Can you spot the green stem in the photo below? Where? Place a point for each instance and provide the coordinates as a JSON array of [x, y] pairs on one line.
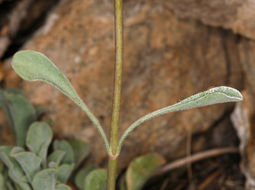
[[112, 172], [113, 157]]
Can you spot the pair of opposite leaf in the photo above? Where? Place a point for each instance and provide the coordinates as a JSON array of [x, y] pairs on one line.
[[34, 66]]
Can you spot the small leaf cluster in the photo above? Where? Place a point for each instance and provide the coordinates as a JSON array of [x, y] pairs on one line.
[[28, 166]]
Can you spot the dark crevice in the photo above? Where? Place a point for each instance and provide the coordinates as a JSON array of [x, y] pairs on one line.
[[5, 8], [223, 128], [33, 21]]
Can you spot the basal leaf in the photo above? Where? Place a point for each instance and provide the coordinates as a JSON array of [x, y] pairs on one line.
[[14, 169], [5, 156], [96, 180], [63, 145], [52, 165], [20, 113], [45, 179], [64, 172], [62, 187], [56, 156], [18, 181], [81, 175], [38, 139], [15, 150], [80, 149], [141, 168], [29, 162]]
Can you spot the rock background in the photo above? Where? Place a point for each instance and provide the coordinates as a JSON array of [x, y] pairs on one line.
[[172, 50]]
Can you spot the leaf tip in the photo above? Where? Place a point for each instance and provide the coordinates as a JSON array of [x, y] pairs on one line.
[[232, 94]]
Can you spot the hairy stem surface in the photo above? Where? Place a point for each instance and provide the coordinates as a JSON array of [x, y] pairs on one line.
[[113, 157]]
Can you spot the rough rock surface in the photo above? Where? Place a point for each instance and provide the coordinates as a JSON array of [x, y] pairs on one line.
[[166, 60], [237, 15], [18, 19]]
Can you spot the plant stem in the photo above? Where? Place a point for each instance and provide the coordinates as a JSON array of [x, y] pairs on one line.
[[112, 173], [113, 157]]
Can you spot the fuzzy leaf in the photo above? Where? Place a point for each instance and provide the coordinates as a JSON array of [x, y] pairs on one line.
[[62, 187], [29, 162], [38, 139], [215, 95], [45, 179], [81, 175], [56, 156], [141, 168], [80, 149], [14, 169], [20, 113], [22, 186], [34, 66], [63, 145], [52, 165], [96, 180], [5, 156], [64, 172]]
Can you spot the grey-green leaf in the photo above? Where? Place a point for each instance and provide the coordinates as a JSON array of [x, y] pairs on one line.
[[34, 66], [96, 180], [63, 145], [56, 156], [15, 171], [38, 139], [80, 149], [20, 113], [141, 168], [45, 179], [81, 175], [215, 95], [64, 172], [29, 162], [21, 186], [62, 187]]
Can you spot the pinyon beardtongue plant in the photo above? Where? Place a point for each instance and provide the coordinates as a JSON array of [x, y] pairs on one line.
[[34, 66]]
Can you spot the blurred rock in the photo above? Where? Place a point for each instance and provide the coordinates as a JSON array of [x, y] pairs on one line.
[[237, 15], [243, 120], [166, 60], [243, 117]]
